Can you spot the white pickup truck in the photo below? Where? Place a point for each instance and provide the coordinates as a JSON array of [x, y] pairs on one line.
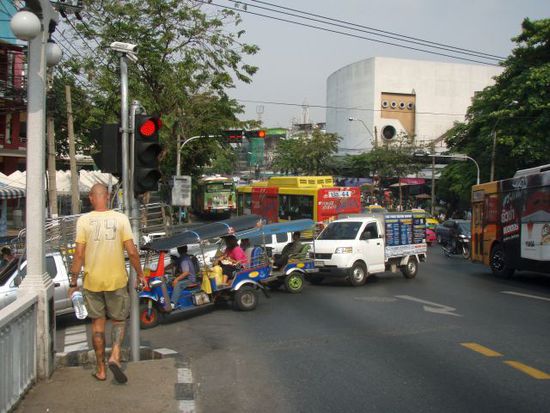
[[359, 246]]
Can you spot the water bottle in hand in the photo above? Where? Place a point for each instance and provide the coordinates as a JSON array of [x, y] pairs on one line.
[[78, 304]]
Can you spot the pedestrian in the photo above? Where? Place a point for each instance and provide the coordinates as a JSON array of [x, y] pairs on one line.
[[101, 238]]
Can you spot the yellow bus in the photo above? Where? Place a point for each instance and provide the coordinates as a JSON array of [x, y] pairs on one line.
[[285, 198]]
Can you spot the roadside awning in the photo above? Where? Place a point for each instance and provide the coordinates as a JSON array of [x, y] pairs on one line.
[[11, 192]]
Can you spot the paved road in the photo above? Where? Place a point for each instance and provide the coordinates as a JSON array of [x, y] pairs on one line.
[[454, 339]]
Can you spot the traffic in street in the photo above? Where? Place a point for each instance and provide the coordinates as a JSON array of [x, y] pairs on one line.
[[455, 338]]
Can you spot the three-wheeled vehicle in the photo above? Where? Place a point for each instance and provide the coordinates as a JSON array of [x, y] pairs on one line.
[[291, 275], [154, 298]]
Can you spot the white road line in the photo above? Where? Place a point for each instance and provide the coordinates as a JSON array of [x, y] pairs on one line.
[[186, 406], [76, 339], [185, 376], [432, 307], [526, 295]]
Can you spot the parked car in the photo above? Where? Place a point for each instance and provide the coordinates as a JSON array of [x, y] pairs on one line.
[[14, 272], [452, 228]]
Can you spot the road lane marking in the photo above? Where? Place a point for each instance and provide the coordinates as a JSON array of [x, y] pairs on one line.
[[538, 297], [481, 349], [531, 371], [432, 307]]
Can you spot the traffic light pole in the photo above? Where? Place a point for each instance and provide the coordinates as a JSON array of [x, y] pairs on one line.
[[128, 196], [134, 219]]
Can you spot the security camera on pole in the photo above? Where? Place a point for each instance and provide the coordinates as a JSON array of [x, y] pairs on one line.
[[128, 51]]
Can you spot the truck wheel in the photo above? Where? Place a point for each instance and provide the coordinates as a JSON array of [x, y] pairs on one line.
[[314, 279], [358, 274], [410, 269], [246, 298], [146, 319], [294, 282], [498, 263]]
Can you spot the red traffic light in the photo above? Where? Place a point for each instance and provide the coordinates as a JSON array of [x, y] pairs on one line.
[[261, 134], [150, 127], [258, 133]]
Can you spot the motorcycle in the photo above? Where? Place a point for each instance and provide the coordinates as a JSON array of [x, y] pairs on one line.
[[460, 246]]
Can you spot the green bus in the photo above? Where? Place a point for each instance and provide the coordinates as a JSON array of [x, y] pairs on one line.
[[214, 196]]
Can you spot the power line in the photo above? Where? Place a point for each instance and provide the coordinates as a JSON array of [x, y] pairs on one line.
[[345, 33], [266, 102], [415, 40]]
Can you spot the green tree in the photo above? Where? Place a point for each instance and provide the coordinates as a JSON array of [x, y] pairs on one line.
[[188, 54], [515, 108], [306, 155]]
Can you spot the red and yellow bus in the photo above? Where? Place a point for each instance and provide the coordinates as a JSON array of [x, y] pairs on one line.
[[511, 222], [285, 198]]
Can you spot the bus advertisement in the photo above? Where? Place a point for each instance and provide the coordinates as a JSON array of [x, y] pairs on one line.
[[291, 198], [511, 222], [214, 195]]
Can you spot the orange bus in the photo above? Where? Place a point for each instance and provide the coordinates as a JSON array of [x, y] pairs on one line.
[[511, 222], [285, 198]]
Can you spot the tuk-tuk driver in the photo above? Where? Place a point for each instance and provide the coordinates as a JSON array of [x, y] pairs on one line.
[[185, 271]]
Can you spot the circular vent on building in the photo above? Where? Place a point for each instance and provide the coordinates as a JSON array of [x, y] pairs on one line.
[[402, 105], [394, 104], [388, 132], [385, 103], [410, 106]]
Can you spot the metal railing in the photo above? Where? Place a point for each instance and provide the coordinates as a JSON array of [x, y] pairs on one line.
[[17, 349]]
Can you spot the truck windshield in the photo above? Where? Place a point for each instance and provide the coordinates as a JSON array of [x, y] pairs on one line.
[[341, 230]]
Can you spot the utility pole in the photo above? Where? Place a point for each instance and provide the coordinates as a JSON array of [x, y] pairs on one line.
[[433, 180], [75, 191], [52, 172]]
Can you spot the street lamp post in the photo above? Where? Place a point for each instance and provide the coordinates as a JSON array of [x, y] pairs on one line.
[[352, 119], [456, 157], [180, 148], [37, 280]]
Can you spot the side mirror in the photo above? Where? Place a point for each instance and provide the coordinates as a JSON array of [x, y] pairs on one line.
[[17, 280]]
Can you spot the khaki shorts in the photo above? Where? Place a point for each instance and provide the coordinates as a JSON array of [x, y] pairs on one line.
[[108, 304]]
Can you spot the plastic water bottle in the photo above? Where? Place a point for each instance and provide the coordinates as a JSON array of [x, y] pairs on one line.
[[78, 304]]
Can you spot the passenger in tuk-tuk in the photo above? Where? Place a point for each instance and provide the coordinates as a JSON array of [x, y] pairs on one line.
[[185, 273], [293, 247], [232, 259]]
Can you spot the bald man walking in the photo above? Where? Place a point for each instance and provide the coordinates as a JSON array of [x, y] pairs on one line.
[[101, 238]]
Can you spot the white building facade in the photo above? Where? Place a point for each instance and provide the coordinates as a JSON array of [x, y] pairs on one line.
[[388, 97]]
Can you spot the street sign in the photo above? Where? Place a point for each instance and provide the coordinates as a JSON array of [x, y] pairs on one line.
[[181, 191]]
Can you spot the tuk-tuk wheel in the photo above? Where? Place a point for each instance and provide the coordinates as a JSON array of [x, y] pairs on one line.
[[147, 320], [294, 282], [246, 298]]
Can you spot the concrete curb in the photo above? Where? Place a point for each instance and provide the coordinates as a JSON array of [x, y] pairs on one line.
[[184, 388]]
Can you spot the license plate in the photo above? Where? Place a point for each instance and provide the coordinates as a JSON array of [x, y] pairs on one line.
[[319, 263]]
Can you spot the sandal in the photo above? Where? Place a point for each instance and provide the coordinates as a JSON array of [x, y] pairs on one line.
[[117, 372], [95, 376]]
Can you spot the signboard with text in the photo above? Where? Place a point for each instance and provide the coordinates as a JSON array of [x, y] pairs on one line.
[[181, 191]]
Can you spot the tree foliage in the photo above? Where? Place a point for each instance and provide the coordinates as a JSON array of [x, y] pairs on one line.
[[516, 108], [306, 155], [189, 55]]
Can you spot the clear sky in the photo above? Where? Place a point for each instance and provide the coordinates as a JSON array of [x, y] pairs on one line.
[[294, 62]]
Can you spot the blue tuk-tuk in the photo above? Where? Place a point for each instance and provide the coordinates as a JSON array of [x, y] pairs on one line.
[[292, 273], [243, 290]]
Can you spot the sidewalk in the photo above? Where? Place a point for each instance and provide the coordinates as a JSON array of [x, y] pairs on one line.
[[152, 387]]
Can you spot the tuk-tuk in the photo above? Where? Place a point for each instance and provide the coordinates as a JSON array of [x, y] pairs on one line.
[[292, 273], [243, 290]]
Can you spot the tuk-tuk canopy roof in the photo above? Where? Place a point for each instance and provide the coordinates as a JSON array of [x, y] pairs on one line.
[[207, 231], [277, 228]]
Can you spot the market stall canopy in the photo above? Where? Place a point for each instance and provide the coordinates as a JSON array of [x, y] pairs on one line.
[[11, 192], [423, 196], [63, 180]]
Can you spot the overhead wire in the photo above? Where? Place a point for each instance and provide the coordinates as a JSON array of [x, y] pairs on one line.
[[207, 2], [392, 35]]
